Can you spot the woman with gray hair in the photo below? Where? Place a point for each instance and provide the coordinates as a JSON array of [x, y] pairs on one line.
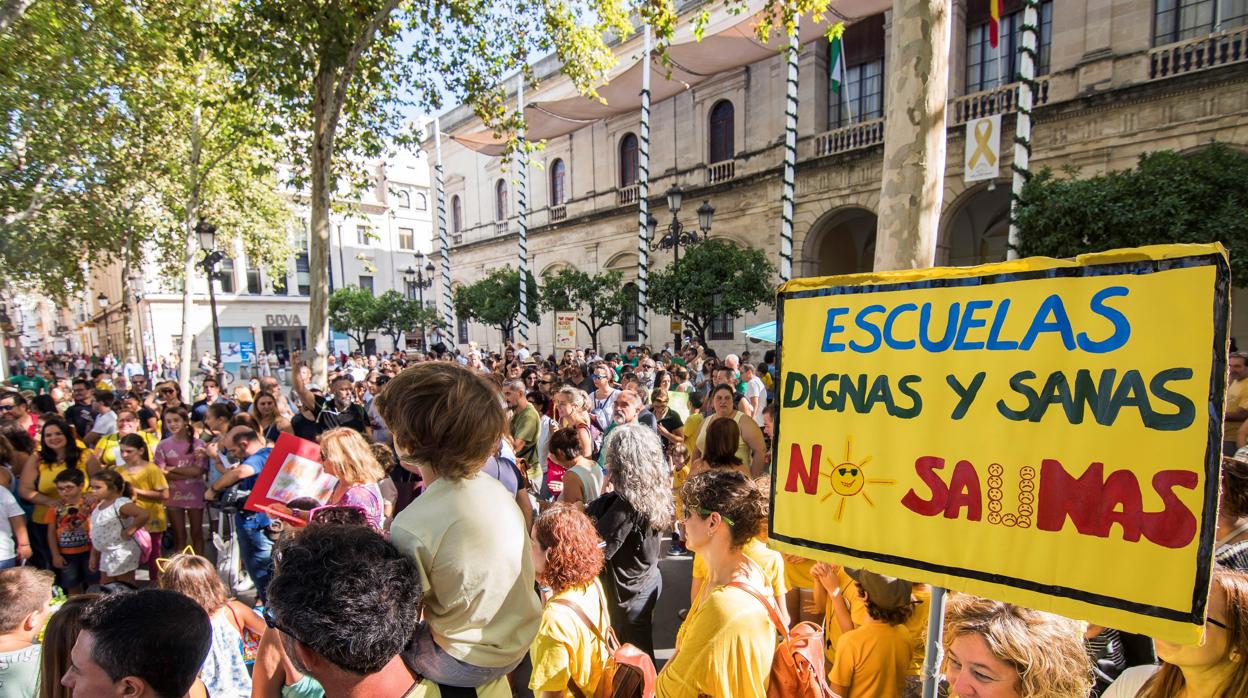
[[631, 519]]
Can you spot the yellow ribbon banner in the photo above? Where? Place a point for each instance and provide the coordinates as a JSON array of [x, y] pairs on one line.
[[983, 144], [1044, 432]]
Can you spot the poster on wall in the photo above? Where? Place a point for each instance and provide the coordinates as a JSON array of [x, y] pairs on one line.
[[565, 330], [1043, 432], [982, 149]]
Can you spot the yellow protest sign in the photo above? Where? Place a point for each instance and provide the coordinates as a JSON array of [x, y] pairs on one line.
[[1043, 432]]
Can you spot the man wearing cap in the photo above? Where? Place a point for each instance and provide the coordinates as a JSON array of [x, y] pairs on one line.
[[872, 659]]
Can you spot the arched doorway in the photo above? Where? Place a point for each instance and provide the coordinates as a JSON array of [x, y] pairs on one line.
[[978, 230], [842, 242]]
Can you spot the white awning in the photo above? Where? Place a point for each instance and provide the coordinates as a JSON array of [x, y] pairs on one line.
[[731, 45]]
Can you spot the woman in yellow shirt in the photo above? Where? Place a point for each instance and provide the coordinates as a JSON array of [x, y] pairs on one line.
[[725, 646], [150, 490], [59, 449], [567, 558]]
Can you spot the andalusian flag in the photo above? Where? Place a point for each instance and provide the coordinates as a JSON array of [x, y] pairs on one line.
[[994, 23], [836, 57]]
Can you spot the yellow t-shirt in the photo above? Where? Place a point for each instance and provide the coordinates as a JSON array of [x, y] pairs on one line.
[[151, 477], [108, 447], [857, 614], [797, 575], [693, 427], [723, 649], [498, 688], [45, 483], [1236, 397], [917, 625], [471, 548], [872, 660], [565, 649], [771, 562]]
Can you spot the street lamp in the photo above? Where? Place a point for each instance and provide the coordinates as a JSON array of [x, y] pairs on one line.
[[103, 301], [207, 233], [420, 279], [678, 235], [136, 290]]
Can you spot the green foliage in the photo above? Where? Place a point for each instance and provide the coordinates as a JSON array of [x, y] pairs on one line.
[[356, 312], [103, 155], [600, 300], [713, 279], [400, 314], [1168, 198], [495, 300]]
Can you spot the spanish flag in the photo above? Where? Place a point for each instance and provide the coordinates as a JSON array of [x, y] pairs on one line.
[[994, 23]]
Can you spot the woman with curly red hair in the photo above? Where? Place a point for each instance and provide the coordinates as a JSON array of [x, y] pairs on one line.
[[567, 557]]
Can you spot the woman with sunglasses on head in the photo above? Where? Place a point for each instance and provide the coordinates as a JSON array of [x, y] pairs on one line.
[[1216, 668], [346, 455], [725, 646]]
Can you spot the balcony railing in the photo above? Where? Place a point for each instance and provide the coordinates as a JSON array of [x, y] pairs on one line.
[[627, 195], [721, 171], [501, 228], [1222, 48], [852, 137], [998, 100], [558, 213]]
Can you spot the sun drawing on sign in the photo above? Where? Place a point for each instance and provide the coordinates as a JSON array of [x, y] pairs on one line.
[[849, 479]]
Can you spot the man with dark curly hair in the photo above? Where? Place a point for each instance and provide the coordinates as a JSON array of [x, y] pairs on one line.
[[344, 602]]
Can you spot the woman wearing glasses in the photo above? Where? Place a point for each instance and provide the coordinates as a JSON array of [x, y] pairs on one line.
[[1218, 667], [725, 645]]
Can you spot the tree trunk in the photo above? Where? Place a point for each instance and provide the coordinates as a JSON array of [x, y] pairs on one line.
[[324, 124], [188, 259], [11, 11], [914, 136]]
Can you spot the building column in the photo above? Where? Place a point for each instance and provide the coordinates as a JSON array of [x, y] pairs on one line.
[[957, 49], [914, 136]]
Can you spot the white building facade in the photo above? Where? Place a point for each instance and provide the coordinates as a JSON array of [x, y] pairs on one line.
[[382, 234]]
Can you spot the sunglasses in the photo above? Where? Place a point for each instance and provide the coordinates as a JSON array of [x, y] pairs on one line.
[[6, 408], [270, 621], [704, 513], [1217, 622], [166, 390]]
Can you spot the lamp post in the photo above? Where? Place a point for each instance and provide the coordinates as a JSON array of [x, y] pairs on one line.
[[420, 278], [136, 290], [677, 235], [207, 233], [108, 339]]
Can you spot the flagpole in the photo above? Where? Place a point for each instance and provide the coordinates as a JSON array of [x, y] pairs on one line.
[[1022, 120], [790, 152], [444, 246], [523, 324], [643, 200]]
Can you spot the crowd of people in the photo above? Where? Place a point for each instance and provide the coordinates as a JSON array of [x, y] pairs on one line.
[[495, 527]]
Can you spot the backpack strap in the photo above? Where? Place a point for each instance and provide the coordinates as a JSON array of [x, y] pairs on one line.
[[580, 613], [771, 609]]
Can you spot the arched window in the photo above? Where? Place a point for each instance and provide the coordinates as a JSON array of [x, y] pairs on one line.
[[500, 200], [721, 131], [557, 172], [422, 202], [403, 199], [457, 215], [628, 160]]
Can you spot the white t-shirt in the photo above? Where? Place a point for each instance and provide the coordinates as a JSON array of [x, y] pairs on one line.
[[105, 423], [1130, 682], [753, 389], [8, 509]]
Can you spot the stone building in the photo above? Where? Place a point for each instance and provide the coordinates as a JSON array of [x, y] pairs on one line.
[[1117, 79]]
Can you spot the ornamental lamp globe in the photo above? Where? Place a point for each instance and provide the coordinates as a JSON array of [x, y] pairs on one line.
[[674, 197]]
